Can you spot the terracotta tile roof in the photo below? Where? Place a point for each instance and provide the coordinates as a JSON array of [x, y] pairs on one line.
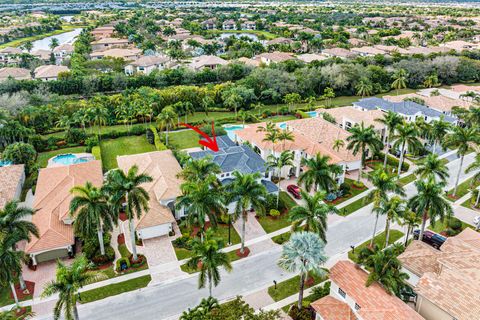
[[146, 61], [440, 102], [111, 41], [310, 57], [11, 50], [64, 47], [10, 178], [368, 50], [117, 53], [49, 71], [356, 115], [330, 308], [276, 56], [52, 200], [203, 61], [375, 303], [419, 257], [464, 88], [16, 73], [42, 54], [163, 168], [339, 52]]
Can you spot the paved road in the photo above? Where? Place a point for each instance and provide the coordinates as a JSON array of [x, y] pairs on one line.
[[167, 300]]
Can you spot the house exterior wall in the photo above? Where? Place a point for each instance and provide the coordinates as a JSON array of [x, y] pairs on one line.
[[18, 191], [334, 292], [156, 231], [430, 311], [51, 255]]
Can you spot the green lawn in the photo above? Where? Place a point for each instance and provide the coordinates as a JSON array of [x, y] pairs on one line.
[[282, 238], [231, 254], [463, 189], [379, 240], [114, 289], [122, 146], [5, 298], [407, 179], [353, 192], [354, 206], [290, 287], [43, 157], [270, 224], [184, 139], [281, 118], [441, 226]]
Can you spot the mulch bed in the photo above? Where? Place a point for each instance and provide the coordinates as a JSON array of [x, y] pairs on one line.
[[197, 229], [246, 252], [104, 266], [20, 312], [20, 294], [121, 239], [310, 281], [123, 216], [453, 197]]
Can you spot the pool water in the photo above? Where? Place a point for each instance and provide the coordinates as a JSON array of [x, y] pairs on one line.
[[312, 114], [4, 163], [67, 159], [282, 125], [231, 129]]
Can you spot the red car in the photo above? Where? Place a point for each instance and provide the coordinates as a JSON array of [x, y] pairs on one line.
[[295, 191]]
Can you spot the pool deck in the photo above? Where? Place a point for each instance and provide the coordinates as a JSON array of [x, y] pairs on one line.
[[51, 163]]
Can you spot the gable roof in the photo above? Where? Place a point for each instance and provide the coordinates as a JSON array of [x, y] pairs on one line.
[[10, 178], [330, 308], [64, 47], [16, 73], [146, 61], [52, 201], [202, 61], [111, 41]]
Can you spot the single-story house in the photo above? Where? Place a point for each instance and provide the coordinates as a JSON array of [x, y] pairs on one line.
[[163, 167], [146, 64], [126, 54], [274, 57], [49, 72], [12, 178], [351, 299], [108, 43], [211, 62], [14, 73], [52, 201]]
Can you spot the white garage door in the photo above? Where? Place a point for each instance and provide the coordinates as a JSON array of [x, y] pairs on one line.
[[156, 231]]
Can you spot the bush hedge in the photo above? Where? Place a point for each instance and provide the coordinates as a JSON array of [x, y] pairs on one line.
[[119, 263], [392, 161]]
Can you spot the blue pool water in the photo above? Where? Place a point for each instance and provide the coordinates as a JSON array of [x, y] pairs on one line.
[[312, 114], [4, 163], [282, 125], [67, 159], [231, 129]]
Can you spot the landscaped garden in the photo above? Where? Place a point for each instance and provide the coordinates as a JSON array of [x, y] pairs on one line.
[[379, 240], [462, 189], [42, 158], [354, 206], [114, 289], [271, 223], [290, 287], [449, 227], [349, 189], [123, 146]]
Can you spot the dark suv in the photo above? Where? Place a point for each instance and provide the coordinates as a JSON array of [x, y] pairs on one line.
[[434, 239]]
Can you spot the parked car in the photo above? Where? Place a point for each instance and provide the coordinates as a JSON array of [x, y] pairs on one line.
[[476, 221], [434, 239], [294, 190]]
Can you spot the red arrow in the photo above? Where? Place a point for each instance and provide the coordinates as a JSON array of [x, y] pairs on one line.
[[210, 143]]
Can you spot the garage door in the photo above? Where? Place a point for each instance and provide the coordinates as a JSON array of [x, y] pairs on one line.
[[157, 231], [52, 255]]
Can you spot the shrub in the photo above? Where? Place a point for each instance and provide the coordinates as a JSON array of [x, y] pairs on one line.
[[91, 247], [320, 292], [281, 238], [301, 115], [38, 142], [97, 153], [109, 256], [392, 161], [270, 202], [91, 142], [331, 196], [219, 130], [156, 139], [454, 223], [358, 184], [120, 262], [286, 202], [328, 117], [75, 135], [345, 188], [274, 213], [224, 218], [21, 153], [150, 136], [140, 262], [303, 314], [451, 232], [182, 242]]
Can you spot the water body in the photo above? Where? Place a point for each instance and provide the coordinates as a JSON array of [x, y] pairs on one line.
[[252, 36], [66, 18], [67, 37]]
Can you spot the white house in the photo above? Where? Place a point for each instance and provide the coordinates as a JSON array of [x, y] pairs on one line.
[[146, 64]]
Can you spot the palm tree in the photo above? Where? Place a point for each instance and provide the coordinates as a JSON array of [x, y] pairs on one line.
[[320, 174], [390, 120], [360, 139], [199, 169], [429, 202], [474, 166], [337, 144], [304, 253], [313, 214], [13, 221], [10, 261], [271, 135], [461, 139], [92, 212], [411, 220], [207, 103], [284, 160], [246, 192], [393, 209], [69, 279], [98, 115], [206, 256], [383, 184], [400, 80], [127, 187], [432, 166], [200, 201], [364, 88], [406, 136], [53, 43], [438, 130], [285, 135], [431, 81], [188, 109], [166, 118]]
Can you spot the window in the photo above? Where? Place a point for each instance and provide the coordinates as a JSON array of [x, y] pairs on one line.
[[342, 293], [357, 307]]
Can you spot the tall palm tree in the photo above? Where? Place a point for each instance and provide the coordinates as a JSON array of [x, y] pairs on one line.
[[429, 202], [362, 138], [364, 88], [69, 279], [383, 184], [92, 212], [337, 144], [206, 256], [127, 187], [313, 214], [390, 120], [439, 129], [10, 261], [246, 192], [285, 159], [393, 209], [410, 219], [406, 137], [474, 166], [461, 139], [200, 200], [285, 135], [98, 115], [304, 253], [399, 80], [13, 221], [432, 166], [166, 118], [320, 174], [199, 169], [271, 135]]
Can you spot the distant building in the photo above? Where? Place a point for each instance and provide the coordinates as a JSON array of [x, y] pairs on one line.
[[209, 24], [229, 25], [108, 43], [274, 57], [9, 55], [63, 51], [248, 25], [43, 55], [12, 178], [102, 32], [14, 73], [146, 64], [211, 62], [338, 53], [126, 54], [49, 72]]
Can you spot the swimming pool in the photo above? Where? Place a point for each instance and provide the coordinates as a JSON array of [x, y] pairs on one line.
[[4, 163], [68, 159], [231, 128], [312, 114], [282, 125]]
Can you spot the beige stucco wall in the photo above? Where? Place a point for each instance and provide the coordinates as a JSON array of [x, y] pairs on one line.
[[430, 311]]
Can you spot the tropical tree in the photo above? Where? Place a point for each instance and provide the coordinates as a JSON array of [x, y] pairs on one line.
[[92, 212], [364, 88], [429, 202], [10, 261], [200, 200], [271, 134], [246, 192], [474, 166], [285, 135], [98, 115], [393, 209], [320, 173], [461, 139], [166, 118], [312, 214], [290, 99], [360, 139], [431, 81], [69, 279], [28, 46], [406, 137], [328, 94], [199, 169], [337, 144], [207, 103], [233, 101], [53, 43], [438, 131], [207, 257], [399, 80], [127, 187], [410, 219], [188, 109], [390, 120], [285, 159], [383, 184], [14, 221], [304, 253], [432, 166]]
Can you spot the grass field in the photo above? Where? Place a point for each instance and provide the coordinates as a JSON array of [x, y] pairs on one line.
[[114, 289], [407, 179], [43, 157], [291, 286], [354, 206], [184, 139], [378, 240], [442, 226], [123, 146], [463, 189]]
